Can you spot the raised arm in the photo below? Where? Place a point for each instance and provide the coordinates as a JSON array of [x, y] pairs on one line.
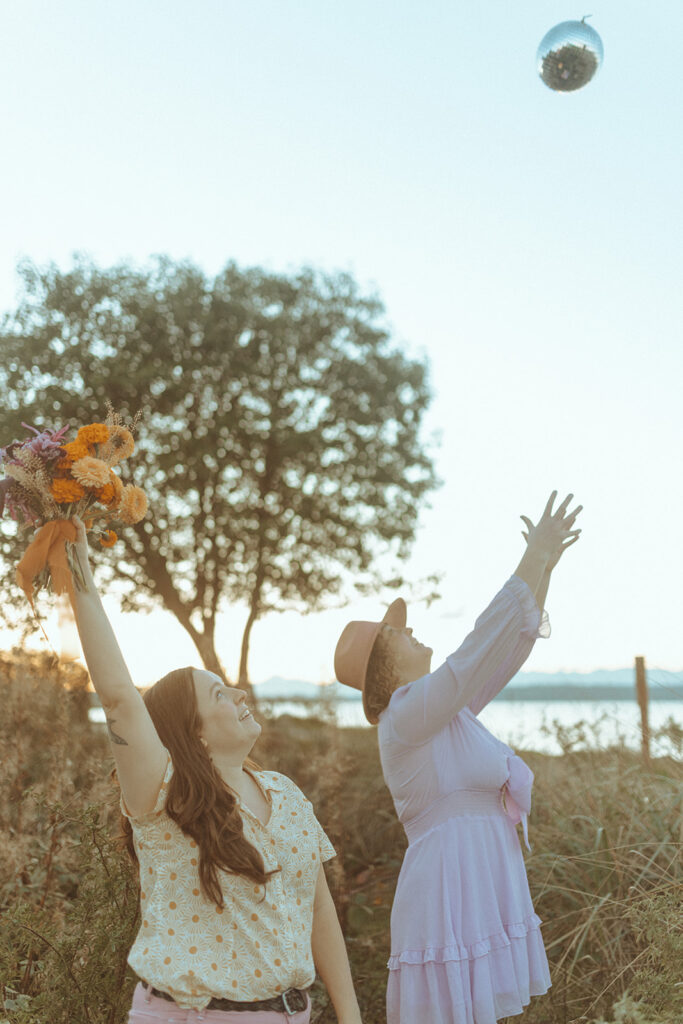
[[140, 755], [554, 536], [108, 670], [499, 644]]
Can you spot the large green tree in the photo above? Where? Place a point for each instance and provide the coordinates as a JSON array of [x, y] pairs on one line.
[[280, 433]]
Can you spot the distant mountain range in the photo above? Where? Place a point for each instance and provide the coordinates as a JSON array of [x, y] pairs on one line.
[[601, 684]]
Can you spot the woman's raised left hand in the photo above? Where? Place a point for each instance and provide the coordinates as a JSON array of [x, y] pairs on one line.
[[561, 523]]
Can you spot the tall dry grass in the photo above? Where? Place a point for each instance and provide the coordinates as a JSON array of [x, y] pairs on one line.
[[605, 870], [68, 899]]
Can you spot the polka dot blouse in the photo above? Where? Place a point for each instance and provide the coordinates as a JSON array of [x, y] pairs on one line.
[[260, 943]]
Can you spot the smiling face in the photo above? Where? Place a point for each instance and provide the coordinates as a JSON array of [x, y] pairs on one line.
[[410, 658], [228, 726]]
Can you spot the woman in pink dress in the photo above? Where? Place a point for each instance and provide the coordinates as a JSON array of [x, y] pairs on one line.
[[466, 946]]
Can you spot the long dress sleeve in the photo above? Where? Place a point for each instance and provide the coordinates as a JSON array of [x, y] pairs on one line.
[[532, 625], [490, 655]]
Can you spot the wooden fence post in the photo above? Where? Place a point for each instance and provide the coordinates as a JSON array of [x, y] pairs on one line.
[[641, 694]]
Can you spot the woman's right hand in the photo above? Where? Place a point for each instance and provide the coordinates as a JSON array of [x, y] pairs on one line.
[[553, 533], [81, 545]]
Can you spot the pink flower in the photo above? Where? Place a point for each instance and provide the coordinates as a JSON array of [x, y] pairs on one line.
[[46, 444]]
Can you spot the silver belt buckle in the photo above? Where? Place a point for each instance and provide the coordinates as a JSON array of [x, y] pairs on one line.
[[285, 1000]]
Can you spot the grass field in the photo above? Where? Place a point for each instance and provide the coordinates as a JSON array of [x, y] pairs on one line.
[[605, 872]]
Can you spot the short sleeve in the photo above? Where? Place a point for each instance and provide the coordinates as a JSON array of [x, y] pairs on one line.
[[160, 803], [327, 850]]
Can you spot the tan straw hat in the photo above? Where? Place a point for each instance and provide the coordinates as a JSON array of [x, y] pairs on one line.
[[355, 644]]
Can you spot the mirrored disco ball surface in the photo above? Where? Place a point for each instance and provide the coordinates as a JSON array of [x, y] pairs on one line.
[[569, 56]]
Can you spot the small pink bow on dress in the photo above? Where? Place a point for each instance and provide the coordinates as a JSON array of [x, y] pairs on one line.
[[516, 794]]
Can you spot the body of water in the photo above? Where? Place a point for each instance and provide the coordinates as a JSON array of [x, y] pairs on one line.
[[529, 724]]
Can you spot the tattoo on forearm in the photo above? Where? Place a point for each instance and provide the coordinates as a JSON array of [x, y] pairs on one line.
[[114, 737]]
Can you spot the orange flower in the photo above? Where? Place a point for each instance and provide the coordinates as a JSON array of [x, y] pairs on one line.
[[105, 495], [119, 446], [66, 491], [110, 539], [74, 450], [133, 505], [94, 433], [110, 494], [91, 472]]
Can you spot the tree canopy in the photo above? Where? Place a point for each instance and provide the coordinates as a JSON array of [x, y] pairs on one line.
[[279, 440]]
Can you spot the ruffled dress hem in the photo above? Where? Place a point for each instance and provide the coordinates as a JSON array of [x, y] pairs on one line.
[[458, 951], [497, 979]]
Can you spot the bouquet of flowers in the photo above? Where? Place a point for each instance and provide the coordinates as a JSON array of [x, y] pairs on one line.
[[49, 479]]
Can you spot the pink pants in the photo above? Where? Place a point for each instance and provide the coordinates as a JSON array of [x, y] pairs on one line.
[[147, 1008]]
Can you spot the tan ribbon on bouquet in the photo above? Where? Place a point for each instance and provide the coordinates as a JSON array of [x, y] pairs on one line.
[[48, 548]]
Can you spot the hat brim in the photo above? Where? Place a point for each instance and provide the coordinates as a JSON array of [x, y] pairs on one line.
[[396, 615]]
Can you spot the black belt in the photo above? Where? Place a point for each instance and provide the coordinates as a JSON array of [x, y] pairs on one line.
[[294, 1000]]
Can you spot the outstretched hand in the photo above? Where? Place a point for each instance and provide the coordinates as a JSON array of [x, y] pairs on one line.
[[553, 533]]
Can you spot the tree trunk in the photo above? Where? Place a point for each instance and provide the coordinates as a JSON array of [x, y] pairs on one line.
[[244, 654], [163, 588], [204, 642], [254, 611], [207, 652]]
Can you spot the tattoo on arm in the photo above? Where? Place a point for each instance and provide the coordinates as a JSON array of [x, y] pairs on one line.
[[114, 737]]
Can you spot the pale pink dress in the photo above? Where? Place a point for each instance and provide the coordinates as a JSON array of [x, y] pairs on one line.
[[466, 946]]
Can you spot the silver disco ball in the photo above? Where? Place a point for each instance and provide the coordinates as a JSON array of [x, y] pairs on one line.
[[569, 55]]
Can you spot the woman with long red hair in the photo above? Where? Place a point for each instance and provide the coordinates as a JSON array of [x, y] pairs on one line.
[[236, 912]]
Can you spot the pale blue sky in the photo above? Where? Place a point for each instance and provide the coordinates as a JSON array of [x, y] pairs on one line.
[[528, 243]]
